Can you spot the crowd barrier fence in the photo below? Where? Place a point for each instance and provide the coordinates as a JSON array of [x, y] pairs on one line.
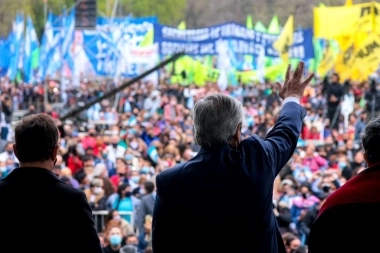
[[100, 218]]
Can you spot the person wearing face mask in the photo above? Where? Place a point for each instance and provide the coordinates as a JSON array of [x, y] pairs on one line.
[[95, 195], [302, 203], [123, 201], [146, 204], [114, 217], [36, 147], [114, 150], [121, 175], [114, 240]]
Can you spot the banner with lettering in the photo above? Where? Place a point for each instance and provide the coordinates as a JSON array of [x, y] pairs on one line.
[[358, 17], [216, 40], [133, 29]]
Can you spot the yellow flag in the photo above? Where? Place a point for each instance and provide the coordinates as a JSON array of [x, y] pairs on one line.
[[367, 57], [285, 40], [358, 17], [344, 63], [348, 3], [327, 63]]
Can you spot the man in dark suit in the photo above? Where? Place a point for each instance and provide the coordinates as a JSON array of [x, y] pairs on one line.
[[349, 219], [222, 198], [39, 212], [146, 205]]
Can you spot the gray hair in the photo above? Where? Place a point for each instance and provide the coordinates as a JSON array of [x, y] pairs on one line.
[[371, 140], [216, 118], [128, 249]]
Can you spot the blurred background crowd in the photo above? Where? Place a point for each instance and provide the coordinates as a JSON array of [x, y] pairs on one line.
[[114, 150]]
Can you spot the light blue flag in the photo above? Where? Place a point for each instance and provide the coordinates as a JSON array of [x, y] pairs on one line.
[[31, 45], [18, 30], [67, 38], [45, 49]]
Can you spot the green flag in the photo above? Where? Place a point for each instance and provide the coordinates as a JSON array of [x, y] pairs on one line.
[[259, 27], [182, 25], [35, 56], [274, 26], [249, 23]]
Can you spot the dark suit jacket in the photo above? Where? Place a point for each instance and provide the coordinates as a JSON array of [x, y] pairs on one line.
[[145, 208], [40, 213], [350, 218], [221, 200]]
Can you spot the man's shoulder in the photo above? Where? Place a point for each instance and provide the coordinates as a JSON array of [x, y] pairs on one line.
[[362, 188], [146, 198], [171, 173]]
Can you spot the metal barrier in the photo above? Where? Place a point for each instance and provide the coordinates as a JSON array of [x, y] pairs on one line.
[[99, 218]]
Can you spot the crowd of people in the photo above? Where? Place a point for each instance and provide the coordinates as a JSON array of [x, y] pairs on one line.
[[115, 150]]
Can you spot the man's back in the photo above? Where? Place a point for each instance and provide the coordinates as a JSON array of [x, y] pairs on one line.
[[219, 203], [223, 197], [221, 200], [41, 213], [350, 212]]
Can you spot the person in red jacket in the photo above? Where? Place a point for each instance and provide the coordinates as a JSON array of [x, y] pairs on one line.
[[349, 219], [73, 160]]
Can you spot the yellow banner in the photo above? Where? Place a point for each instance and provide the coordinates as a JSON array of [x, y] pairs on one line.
[[328, 61], [285, 40], [367, 57], [330, 22]]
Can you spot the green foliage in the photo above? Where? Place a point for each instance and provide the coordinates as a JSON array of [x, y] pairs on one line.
[[169, 12], [34, 8]]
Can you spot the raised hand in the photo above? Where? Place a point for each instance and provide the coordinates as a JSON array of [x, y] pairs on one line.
[[293, 85]]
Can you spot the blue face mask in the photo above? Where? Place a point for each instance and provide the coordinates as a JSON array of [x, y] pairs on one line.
[[145, 170], [115, 240], [135, 179], [128, 157], [342, 165], [302, 179], [3, 169]]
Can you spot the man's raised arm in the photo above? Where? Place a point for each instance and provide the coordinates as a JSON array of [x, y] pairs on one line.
[[281, 141]]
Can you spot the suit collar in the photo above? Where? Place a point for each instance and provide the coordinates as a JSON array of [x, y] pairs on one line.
[[370, 169], [215, 147], [28, 173]]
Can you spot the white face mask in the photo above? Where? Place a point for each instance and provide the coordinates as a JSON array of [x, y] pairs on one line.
[[134, 145], [98, 190], [142, 191]]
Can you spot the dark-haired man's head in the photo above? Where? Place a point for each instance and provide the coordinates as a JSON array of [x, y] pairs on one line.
[[88, 161], [148, 187], [370, 140], [36, 141]]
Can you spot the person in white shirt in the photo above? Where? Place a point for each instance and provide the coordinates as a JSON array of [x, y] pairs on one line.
[[8, 154], [114, 150]]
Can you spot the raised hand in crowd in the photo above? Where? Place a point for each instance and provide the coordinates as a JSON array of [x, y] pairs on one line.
[[293, 85]]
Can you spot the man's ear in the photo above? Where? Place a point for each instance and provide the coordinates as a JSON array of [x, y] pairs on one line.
[[14, 150], [55, 151], [366, 158]]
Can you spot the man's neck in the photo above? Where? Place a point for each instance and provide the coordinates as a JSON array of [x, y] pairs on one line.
[[45, 165]]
